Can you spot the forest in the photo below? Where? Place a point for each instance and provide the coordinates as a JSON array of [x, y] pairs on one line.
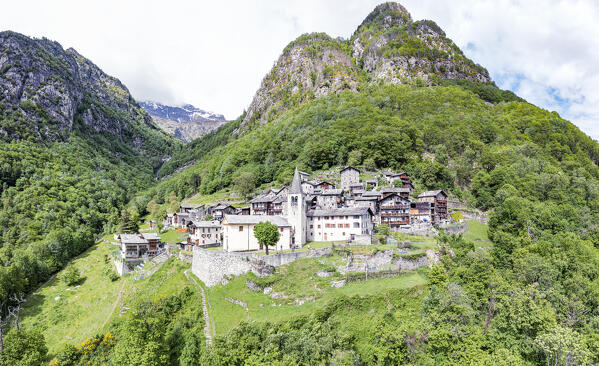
[[530, 299]]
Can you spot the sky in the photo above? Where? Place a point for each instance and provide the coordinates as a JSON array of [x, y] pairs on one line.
[[214, 54]]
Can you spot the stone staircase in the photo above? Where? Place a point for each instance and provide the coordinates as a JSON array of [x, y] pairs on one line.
[[150, 267]]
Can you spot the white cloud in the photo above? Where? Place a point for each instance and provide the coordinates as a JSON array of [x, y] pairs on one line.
[[214, 54]]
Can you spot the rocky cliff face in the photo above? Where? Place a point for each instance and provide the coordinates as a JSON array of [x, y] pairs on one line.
[[186, 122], [47, 92], [312, 65], [387, 47]]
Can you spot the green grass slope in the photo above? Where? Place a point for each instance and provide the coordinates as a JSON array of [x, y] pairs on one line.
[[71, 314]]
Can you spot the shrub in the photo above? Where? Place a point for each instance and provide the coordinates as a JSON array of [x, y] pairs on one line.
[[71, 276]]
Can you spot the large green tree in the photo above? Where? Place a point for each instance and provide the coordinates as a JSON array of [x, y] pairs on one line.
[[267, 234]]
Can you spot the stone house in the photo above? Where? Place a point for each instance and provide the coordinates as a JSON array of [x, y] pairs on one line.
[[438, 201], [349, 175], [330, 198], [204, 232], [219, 211], [133, 246], [394, 211]]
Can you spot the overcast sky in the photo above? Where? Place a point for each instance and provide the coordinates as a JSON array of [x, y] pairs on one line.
[[214, 54]]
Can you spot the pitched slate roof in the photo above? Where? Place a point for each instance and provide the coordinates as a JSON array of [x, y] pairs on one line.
[[296, 183], [431, 193], [221, 206], [395, 190], [392, 195], [348, 168], [133, 239], [331, 192], [206, 223], [191, 205], [151, 236], [371, 193], [254, 219], [344, 211], [366, 198]]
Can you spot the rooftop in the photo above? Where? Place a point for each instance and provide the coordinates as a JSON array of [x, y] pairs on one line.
[[213, 223], [151, 236], [331, 192], [344, 211], [431, 193], [132, 239], [254, 219]]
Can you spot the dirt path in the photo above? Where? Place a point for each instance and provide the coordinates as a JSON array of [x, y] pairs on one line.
[[208, 325], [118, 298]]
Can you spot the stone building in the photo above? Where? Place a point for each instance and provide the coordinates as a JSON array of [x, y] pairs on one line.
[[349, 175], [339, 224]]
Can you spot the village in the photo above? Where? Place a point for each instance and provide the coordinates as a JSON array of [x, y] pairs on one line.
[[305, 211]]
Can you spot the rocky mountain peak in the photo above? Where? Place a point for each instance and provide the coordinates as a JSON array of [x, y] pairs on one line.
[[388, 47], [185, 122], [46, 92], [387, 15]]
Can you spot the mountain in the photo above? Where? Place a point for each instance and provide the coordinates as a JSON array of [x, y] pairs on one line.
[[48, 92], [185, 122], [74, 148], [387, 47], [400, 95]]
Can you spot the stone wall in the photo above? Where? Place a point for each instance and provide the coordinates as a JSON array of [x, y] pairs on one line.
[[276, 260], [124, 267], [211, 267]]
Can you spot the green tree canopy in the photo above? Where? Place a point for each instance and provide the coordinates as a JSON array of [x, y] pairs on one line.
[[267, 234]]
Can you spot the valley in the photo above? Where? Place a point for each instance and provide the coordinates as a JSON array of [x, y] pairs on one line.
[[380, 202]]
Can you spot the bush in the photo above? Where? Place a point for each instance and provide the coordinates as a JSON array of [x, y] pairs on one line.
[[71, 276]]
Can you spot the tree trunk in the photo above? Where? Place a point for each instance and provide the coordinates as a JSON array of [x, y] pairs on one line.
[[266, 246]]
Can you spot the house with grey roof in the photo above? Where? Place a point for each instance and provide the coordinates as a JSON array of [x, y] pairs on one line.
[[340, 224], [238, 232], [349, 175]]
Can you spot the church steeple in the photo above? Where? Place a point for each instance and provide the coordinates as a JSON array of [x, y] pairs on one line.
[[296, 210], [296, 184]]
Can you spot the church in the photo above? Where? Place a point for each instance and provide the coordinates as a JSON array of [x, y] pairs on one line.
[[298, 220]]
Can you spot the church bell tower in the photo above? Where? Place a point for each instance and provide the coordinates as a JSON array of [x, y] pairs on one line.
[[296, 210]]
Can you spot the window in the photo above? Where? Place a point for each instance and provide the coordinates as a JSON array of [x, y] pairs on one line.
[[240, 228], [356, 224], [281, 229], [311, 226], [318, 226], [347, 226], [356, 217], [333, 226]]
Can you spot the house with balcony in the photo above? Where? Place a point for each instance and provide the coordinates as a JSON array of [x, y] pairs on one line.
[[394, 211]]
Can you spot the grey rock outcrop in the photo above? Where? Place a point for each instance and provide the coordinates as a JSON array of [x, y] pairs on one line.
[[387, 47], [47, 92]]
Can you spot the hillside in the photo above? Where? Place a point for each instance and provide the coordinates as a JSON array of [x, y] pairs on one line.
[[529, 298], [387, 47], [399, 95], [74, 147], [186, 123]]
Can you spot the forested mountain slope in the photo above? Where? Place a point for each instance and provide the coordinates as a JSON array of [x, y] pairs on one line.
[[74, 147], [530, 299], [387, 47]]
